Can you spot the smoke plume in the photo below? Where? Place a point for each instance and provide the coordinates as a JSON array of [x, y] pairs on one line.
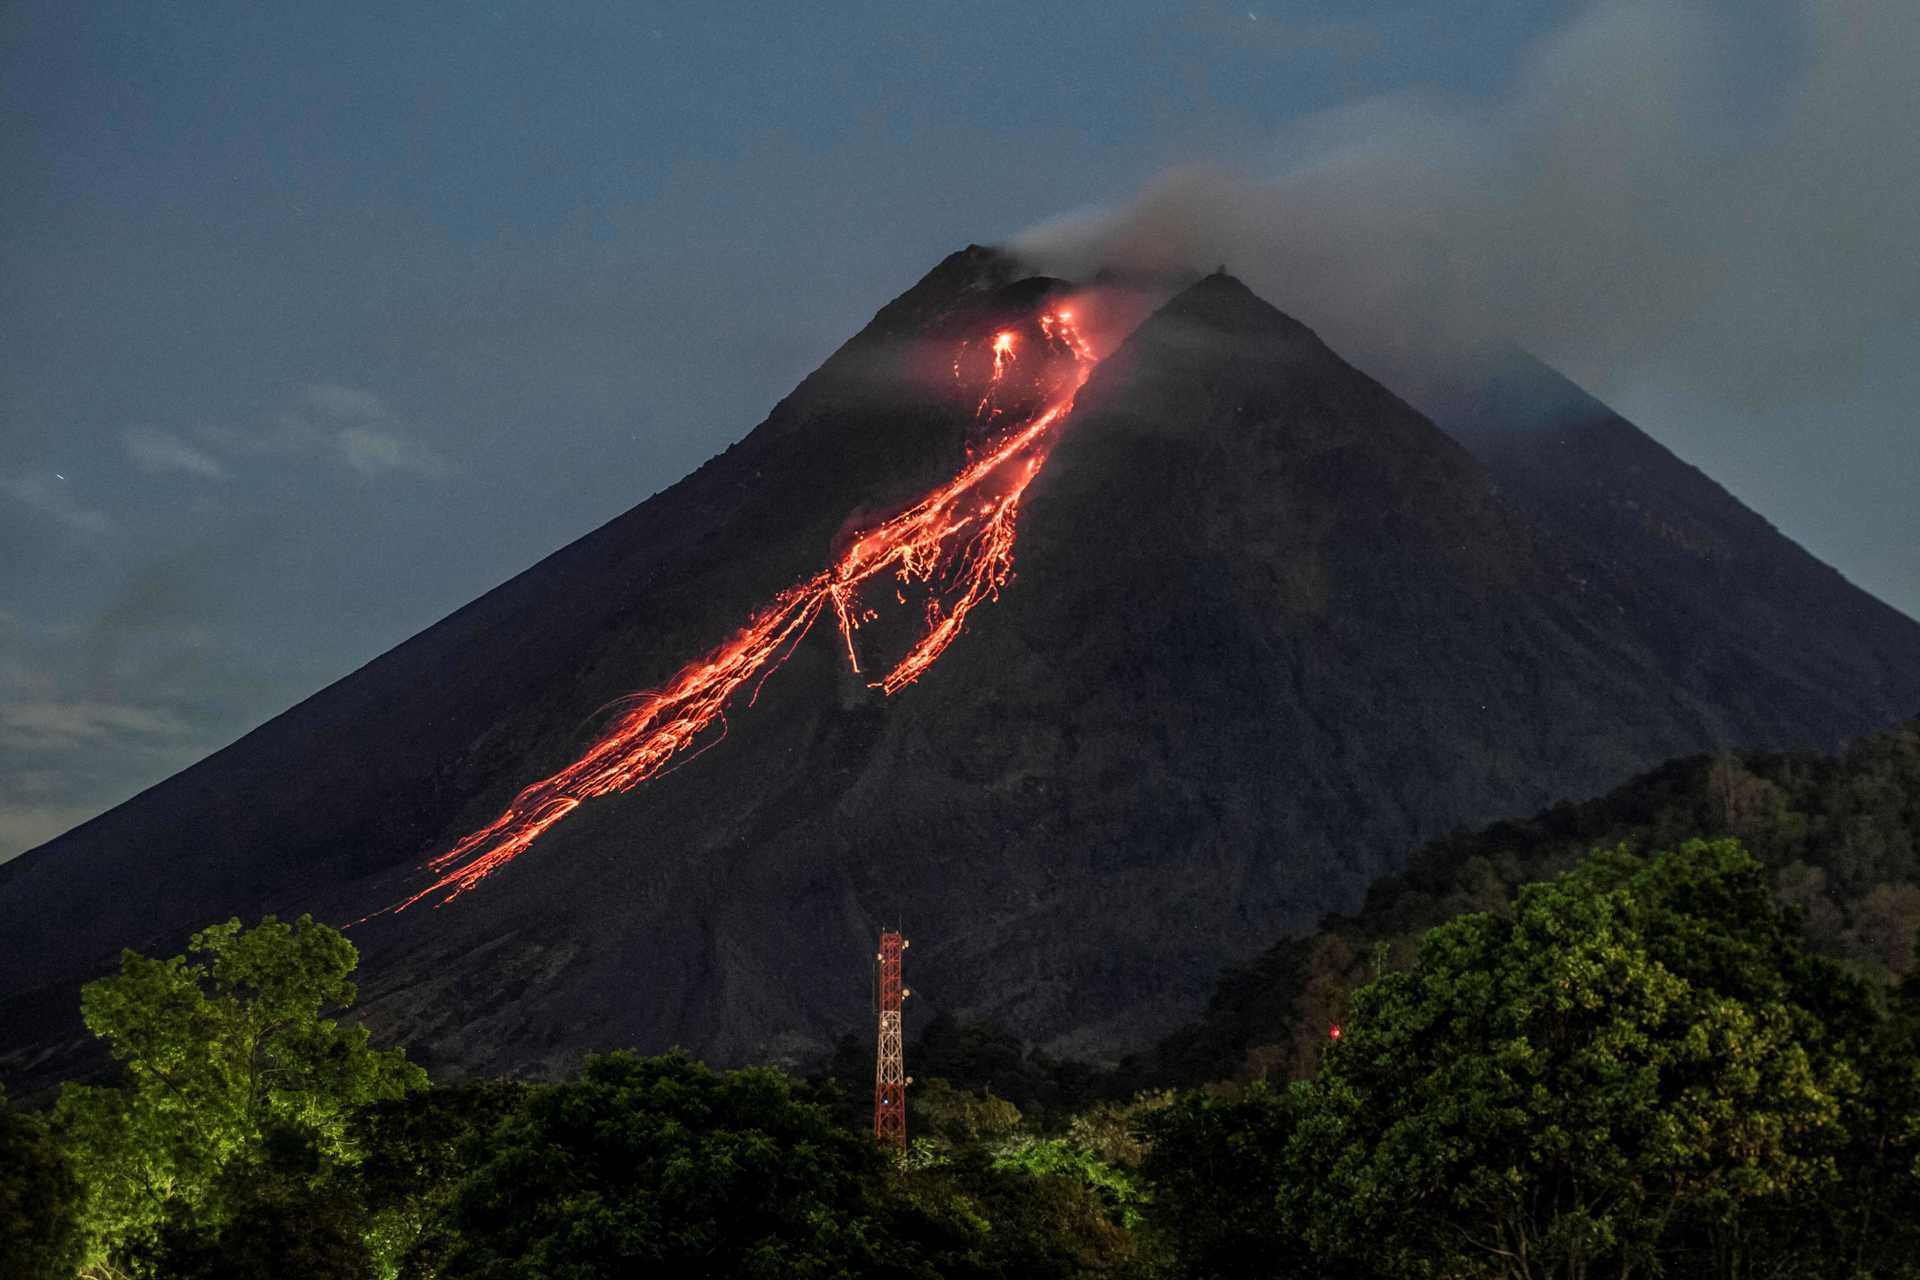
[[1648, 196]]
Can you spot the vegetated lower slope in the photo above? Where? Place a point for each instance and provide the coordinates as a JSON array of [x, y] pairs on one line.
[[1840, 835]]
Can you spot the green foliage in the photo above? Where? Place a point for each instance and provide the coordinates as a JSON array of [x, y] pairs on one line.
[[1112, 1130], [281, 1218], [978, 1054], [972, 1054], [1012, 1210], [415, 1153], [1565, 1085], [1635, 1069], [1839, 838], [39, 1201], [1119, 1191], [662, 1166], [1100, 1149], [941, 1113], [234, 1079], [1215, 1165], [985, 1195], [1636, 1065], [1869, 1217]]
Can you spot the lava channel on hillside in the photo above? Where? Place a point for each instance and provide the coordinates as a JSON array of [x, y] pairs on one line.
[[955, 545]]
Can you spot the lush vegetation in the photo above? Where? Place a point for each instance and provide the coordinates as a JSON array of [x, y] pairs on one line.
[[1839, 838], [1635, 1068], [253, 1134], [39, 1200], [1635, 1071], [234, 1123], [1585, 1045]]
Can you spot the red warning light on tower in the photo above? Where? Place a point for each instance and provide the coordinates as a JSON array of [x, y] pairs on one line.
[[890, 1078], [1333, 1032]]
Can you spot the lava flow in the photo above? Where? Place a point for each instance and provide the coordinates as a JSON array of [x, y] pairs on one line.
[[957, 542]]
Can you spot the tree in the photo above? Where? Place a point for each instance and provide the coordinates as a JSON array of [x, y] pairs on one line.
[[661, 1165], [1620, 1060], [980, 1194], [946, 1116], [978, 1217], [1845, 846], [234, 1075], [415, 1152], [1215, 1165], [1868, 1220], [273, 1228], [39, 1201], [1099, 1150]]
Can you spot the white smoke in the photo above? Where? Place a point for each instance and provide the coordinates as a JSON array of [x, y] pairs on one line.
[[1627, 207]]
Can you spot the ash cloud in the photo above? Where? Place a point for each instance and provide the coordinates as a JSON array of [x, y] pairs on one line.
[[1643, 202]]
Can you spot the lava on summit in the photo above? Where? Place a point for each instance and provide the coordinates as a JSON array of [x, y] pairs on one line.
[[954, 547]]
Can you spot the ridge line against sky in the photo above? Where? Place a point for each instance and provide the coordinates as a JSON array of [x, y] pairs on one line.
[[321, 324]]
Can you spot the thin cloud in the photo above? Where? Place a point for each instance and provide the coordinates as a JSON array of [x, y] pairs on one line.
[[24, 826], [65, 723], [346, 402], [372, 452], [90, 714], [50, 495], [369, 436], [162, 452], [340, 424]]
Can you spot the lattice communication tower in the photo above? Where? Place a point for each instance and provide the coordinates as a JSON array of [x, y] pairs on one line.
[[890, 1078]]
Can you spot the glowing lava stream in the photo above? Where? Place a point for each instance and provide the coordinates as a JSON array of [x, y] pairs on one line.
[[963, 532]]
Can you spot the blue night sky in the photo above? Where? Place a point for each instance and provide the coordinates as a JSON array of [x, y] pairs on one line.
[[321, 320]]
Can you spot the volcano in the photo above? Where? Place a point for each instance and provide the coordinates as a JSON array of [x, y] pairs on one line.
[[1095, 670]]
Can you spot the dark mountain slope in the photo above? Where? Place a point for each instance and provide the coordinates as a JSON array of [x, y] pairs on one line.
[[386, 765], [1738, 611], [1270, 628]]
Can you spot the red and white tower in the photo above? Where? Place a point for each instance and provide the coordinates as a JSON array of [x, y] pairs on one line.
[[890, 1078]]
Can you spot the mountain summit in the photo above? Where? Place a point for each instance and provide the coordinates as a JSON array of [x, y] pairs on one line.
[[1264, 629]]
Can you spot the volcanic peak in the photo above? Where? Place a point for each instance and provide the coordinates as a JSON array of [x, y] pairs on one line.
[[1270, 627], [972, 270], [1223, 303]]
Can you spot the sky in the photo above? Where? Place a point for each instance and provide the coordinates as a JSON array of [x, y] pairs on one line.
[[320, 321]]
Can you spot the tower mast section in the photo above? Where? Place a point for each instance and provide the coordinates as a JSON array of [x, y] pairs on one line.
[[890, 1078]]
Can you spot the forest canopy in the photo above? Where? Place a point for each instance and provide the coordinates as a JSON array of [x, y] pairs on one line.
[[1556, 1055]]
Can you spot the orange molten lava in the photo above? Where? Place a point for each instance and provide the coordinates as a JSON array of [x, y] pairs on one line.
[[957, 542], [1002, 360], [1059, 327]]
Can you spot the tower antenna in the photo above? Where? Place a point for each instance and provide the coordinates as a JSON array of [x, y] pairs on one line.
[[890, 1078]]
